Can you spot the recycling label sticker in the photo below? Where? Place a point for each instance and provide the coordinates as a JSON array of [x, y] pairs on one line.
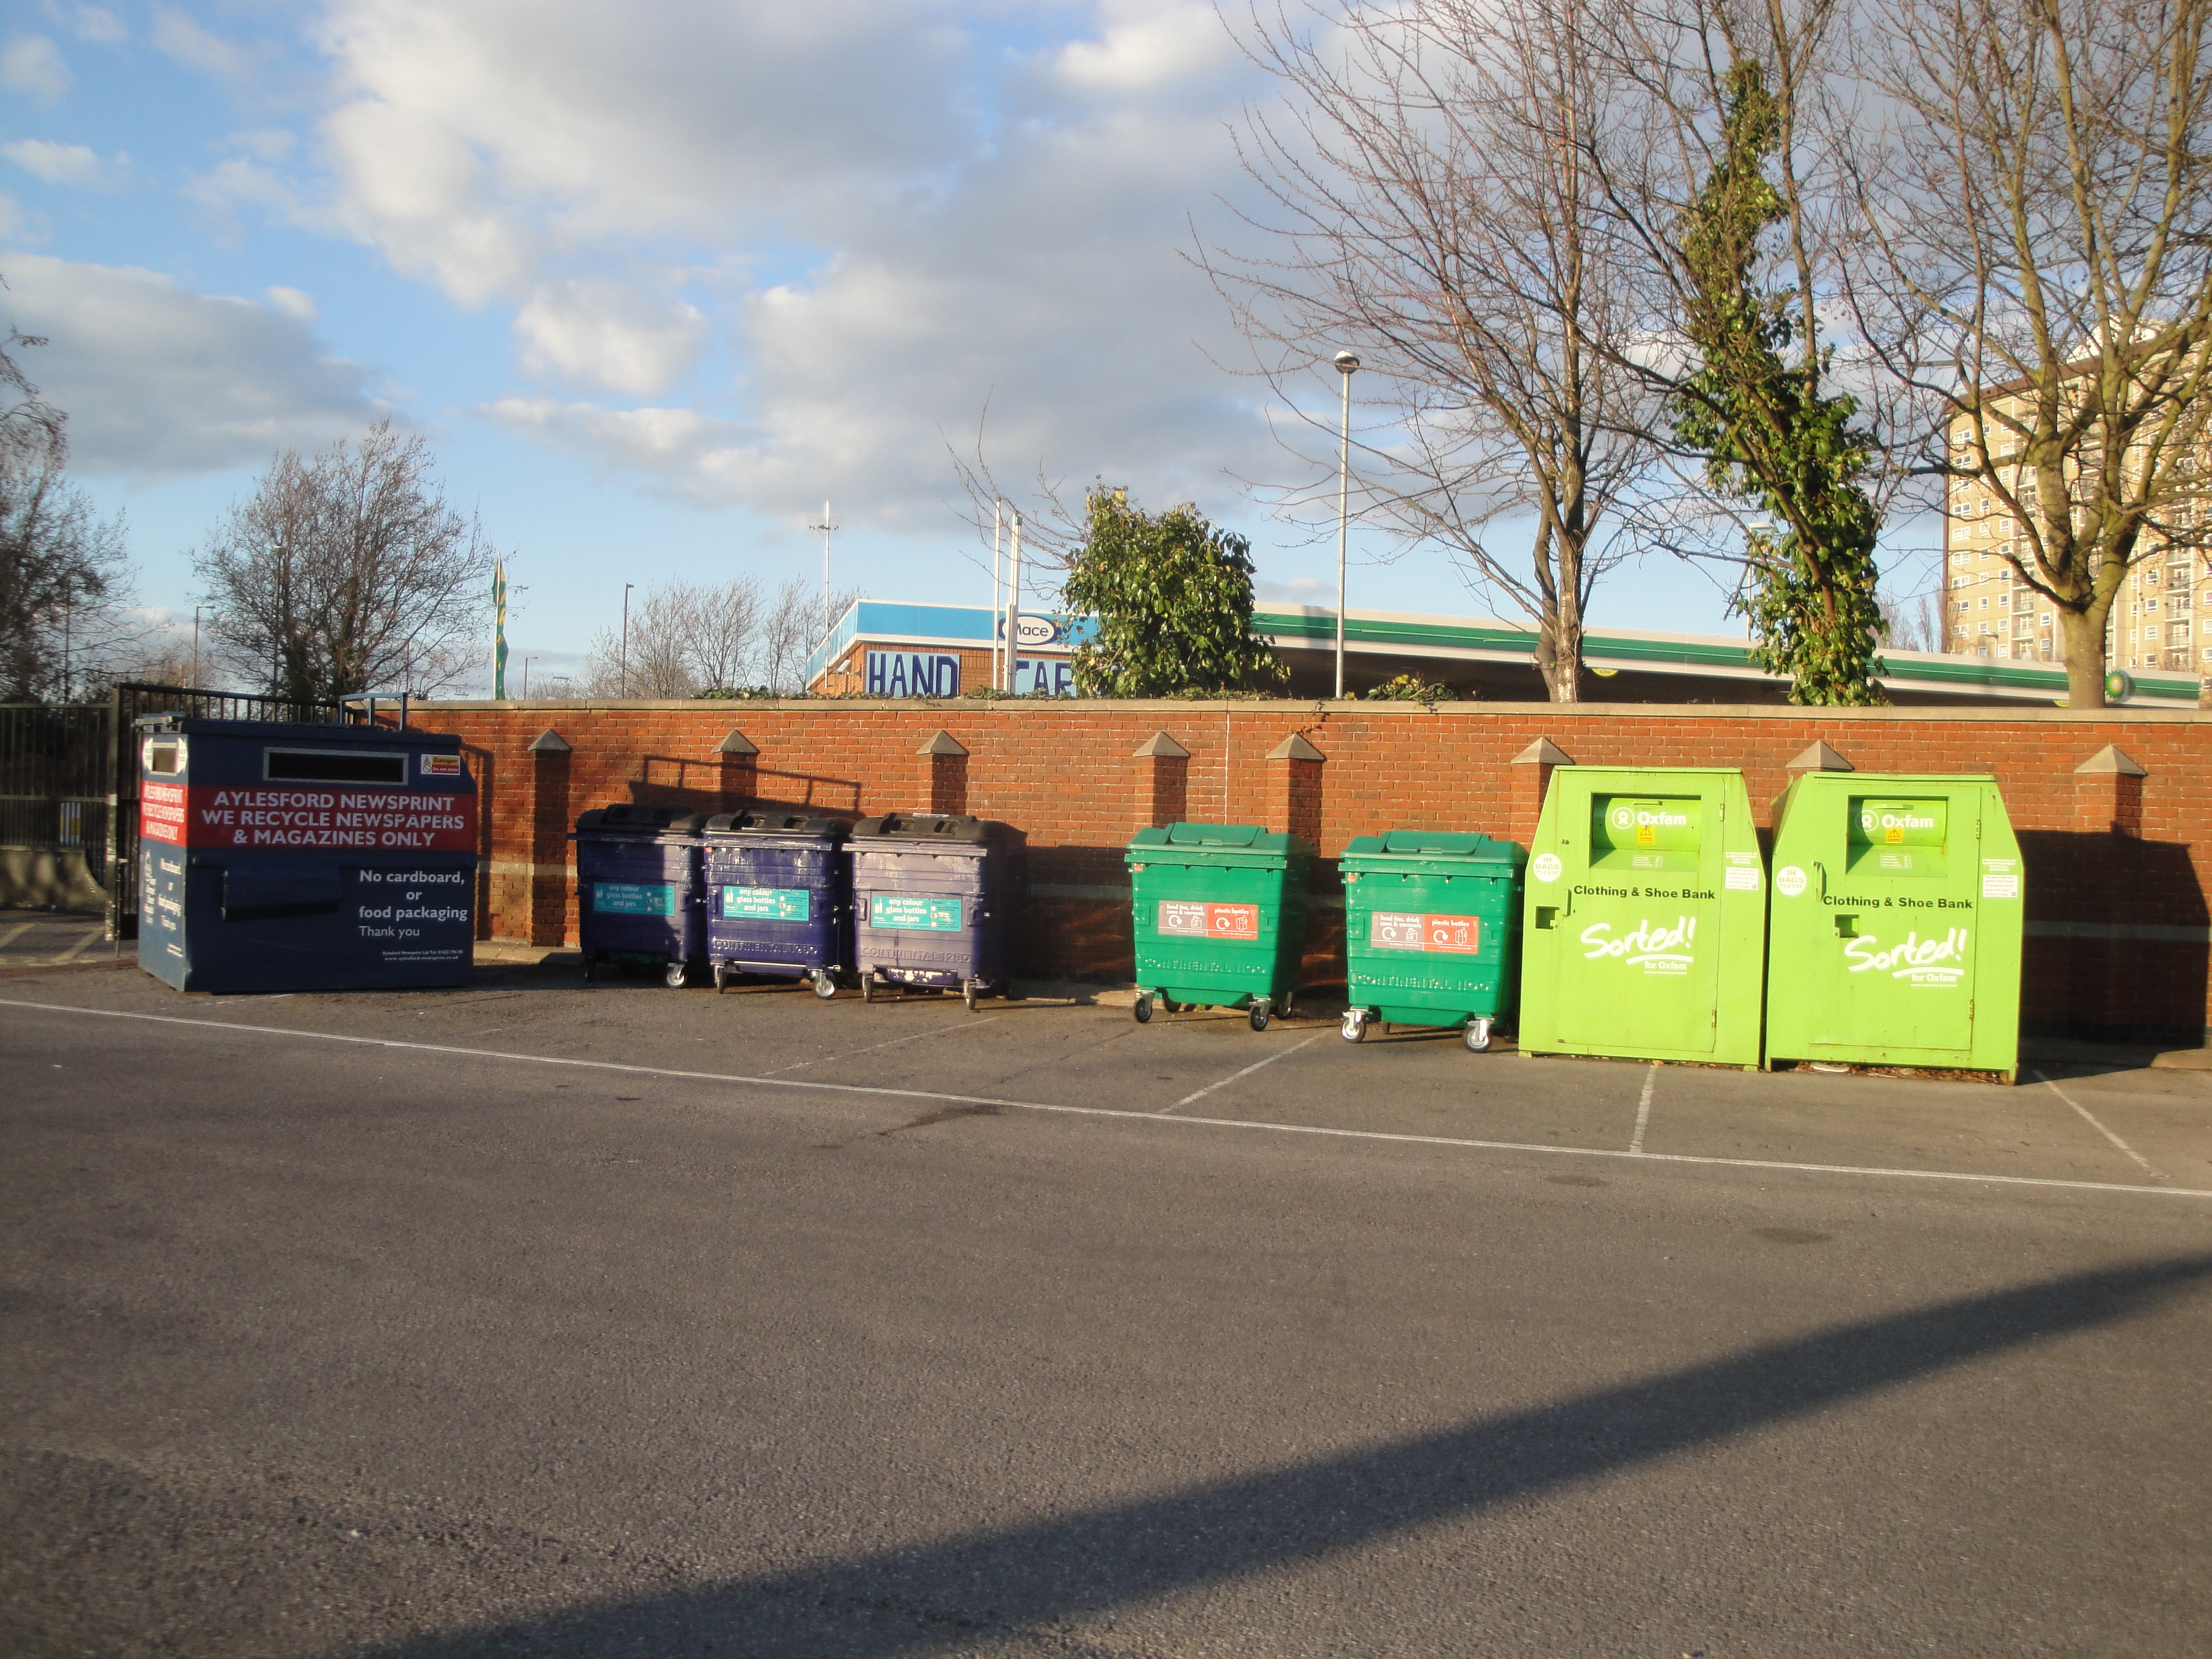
[[1790, 881], [2000, 878], [1740, 880], [1546, 866]]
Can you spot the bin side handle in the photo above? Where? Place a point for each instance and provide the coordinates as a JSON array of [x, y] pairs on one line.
[[1820, 875]]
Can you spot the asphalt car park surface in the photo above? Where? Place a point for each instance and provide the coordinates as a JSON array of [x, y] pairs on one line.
[[553, 1318]]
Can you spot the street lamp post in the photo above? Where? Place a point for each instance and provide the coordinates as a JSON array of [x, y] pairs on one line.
[[825, 527], [1346, 365], [196, 645], [527, 661], [625, 638]]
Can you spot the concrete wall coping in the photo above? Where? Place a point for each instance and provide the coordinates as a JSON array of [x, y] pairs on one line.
[[419, 710]]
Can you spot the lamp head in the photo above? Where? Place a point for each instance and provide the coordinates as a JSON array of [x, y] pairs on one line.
[[1346, 362]]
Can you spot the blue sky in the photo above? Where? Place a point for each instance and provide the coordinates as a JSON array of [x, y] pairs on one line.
[[658, 279]]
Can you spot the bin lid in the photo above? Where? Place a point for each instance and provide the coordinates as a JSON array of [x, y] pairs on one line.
[[1404, 849], [940, 828], [1211, 843], [627, 818], [756, 822]]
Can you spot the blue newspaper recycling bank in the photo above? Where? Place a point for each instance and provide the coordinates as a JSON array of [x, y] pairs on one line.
[[278, 857]]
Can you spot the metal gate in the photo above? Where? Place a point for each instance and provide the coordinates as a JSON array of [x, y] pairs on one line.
[[126, 705], [57, 781]]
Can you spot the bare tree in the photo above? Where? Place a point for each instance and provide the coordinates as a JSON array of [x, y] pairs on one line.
[[792, 631], [63, 577], [686, 640], [348, 572], [2040, 271], [657, 659], [1436, 210]]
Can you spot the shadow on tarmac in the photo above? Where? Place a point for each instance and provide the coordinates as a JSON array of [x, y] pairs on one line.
[[1039, 1577]]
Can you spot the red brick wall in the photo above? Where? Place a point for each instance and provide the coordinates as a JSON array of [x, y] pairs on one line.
[[2105, 852]]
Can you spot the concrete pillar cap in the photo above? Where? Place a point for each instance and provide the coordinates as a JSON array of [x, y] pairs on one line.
[[1820, 758], [1542, 752], [737, 743], [1160, 746], [2112, 760], [943, 744], [1294, 747], [549, 742]]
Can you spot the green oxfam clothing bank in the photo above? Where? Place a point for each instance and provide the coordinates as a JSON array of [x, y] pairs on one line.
[[1645, 930], [1896, 930]]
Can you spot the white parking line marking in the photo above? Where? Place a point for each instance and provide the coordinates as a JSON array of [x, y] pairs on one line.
[[1643, 1111], [915, 1037], [83, 944], [13, 933], [1463, 1145], [2099, 1128], [1279, 1054]]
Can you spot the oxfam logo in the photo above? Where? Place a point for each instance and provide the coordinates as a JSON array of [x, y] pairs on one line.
[[1623, 818], [1907, 820]]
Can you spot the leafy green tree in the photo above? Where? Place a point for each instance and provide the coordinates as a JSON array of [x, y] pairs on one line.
[[1771, 436], [1173, 596]]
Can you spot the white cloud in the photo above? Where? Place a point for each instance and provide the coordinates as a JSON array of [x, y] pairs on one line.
[[1147, 46], [94, 23], [72, 165], [33, 63], [604, 333], [893, 222], [18, 226], [292, 301], [182, 38], [160, 380]]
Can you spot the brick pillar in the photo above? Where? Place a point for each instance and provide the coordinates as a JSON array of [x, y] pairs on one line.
[[2108, 793], [947, 783], [740, 771], [548, 921], [1295, 795], [1163, 782], [1525, 791]]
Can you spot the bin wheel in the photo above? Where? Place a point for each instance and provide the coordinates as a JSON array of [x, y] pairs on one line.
[[867, 984], [1478, 1035], [588, 966], [1290, 1005], [968, 995], [825, 985], [1260, 1011], [678, 975], [1142, 1009], [718, 976], [1169, 1005], [1355, 1026]]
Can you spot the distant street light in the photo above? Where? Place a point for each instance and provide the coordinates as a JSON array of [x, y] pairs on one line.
[[1346, 365], [625, 638], [196, 645], [825, 527], [527, 661]]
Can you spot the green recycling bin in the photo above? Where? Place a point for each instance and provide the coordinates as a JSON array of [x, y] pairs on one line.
[[1895, 936], [1220, 917], [1432, 931], [1645, 934]]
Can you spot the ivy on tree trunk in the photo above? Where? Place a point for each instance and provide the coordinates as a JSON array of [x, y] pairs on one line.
[[1771, 437]]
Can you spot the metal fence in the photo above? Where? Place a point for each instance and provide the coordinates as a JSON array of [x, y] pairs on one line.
[[56, 779], [132, 700], [68, 790]]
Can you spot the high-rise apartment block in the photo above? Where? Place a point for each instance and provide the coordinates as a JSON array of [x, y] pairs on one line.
[[2161, 619]]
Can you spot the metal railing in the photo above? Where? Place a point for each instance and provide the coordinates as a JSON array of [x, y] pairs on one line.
[[127, 705]]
